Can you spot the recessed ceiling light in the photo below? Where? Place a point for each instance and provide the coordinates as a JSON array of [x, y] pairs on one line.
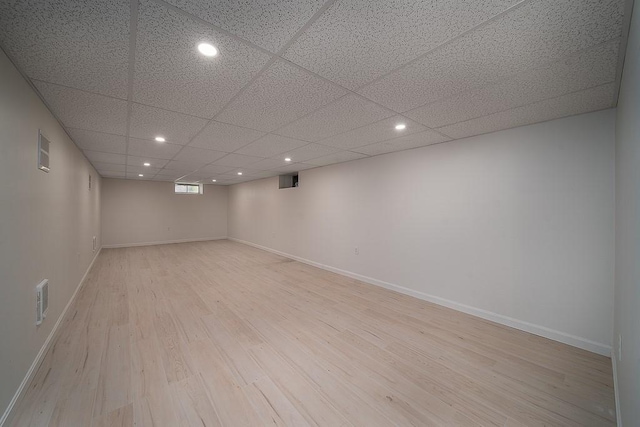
[[207, 50], [160, 139], [147, 164], [401, 126], [239, 173], [140, 174], [214, 180], [287, 159]]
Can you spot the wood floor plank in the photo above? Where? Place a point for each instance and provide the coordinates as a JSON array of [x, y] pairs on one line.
[[223, 334]]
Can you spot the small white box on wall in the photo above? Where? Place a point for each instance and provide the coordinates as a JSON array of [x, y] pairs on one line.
[[43, 152]]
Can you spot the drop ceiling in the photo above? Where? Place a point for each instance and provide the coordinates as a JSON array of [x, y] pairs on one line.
[[318, 81]]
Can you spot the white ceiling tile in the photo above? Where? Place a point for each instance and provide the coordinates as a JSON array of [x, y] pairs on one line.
[[246, 172], [195, 177], [111, 174], [140, 161], [310, 151], [149, 122], [267, 164], [339, 157], [97, 156], [355, 41], [294, 167], [98, 141], [538, 31], [84, 110], [279, 96], [266, 23], [225, 137], [584, 101], [421, 139], [162, 178], [152, 149], [167, 175], [82, 44], [375, 132], [172, 74], [135, 175], [349, 112], [100, 166], [237, 160], [237, 179], [263, 174], [587, 69], [216, 169], [183, 167], [143, 170], [194, 154], [271, 145]]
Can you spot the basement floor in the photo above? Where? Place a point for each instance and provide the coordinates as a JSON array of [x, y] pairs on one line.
[[220, 333]]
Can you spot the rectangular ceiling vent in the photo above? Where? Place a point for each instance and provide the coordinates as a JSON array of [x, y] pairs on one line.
[[42, 301], [43, 152]]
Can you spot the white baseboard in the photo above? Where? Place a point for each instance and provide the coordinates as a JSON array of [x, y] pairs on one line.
[[542, 331], [163, 242], [44, 349], [615, 387]]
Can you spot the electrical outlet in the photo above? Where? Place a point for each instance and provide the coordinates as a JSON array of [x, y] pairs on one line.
[[357, 251], [619, 347]]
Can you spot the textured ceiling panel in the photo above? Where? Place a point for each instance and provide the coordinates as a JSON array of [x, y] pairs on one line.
[[147, 171], [310, 151], [340, 156], [112, 174], [194, 154], [355, 41], [237, 160], [266, 23], [271, 145], [183, 167], [109, 167], [97, 141], [170, 73], [163, 178], [375, 132], [280, 95], [216, 169], [295, 167], [267, 164], [224, 137], [134, 175], [84, 110], [349, 112], [442, 67], [590, 68], [83, 44], [167, 175], [99, 157], [530, 35], [585, 101], [152, 149], [148, 122], [140, 161], [404, 143]]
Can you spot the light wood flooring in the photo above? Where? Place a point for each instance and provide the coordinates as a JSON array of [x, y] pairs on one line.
[[223, 334]]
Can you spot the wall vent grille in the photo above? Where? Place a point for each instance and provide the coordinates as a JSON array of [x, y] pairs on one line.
[[42, 301]]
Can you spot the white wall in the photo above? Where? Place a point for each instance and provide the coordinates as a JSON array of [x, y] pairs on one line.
[[147, 212], [517, 223], [627, 288], [47, 223]]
